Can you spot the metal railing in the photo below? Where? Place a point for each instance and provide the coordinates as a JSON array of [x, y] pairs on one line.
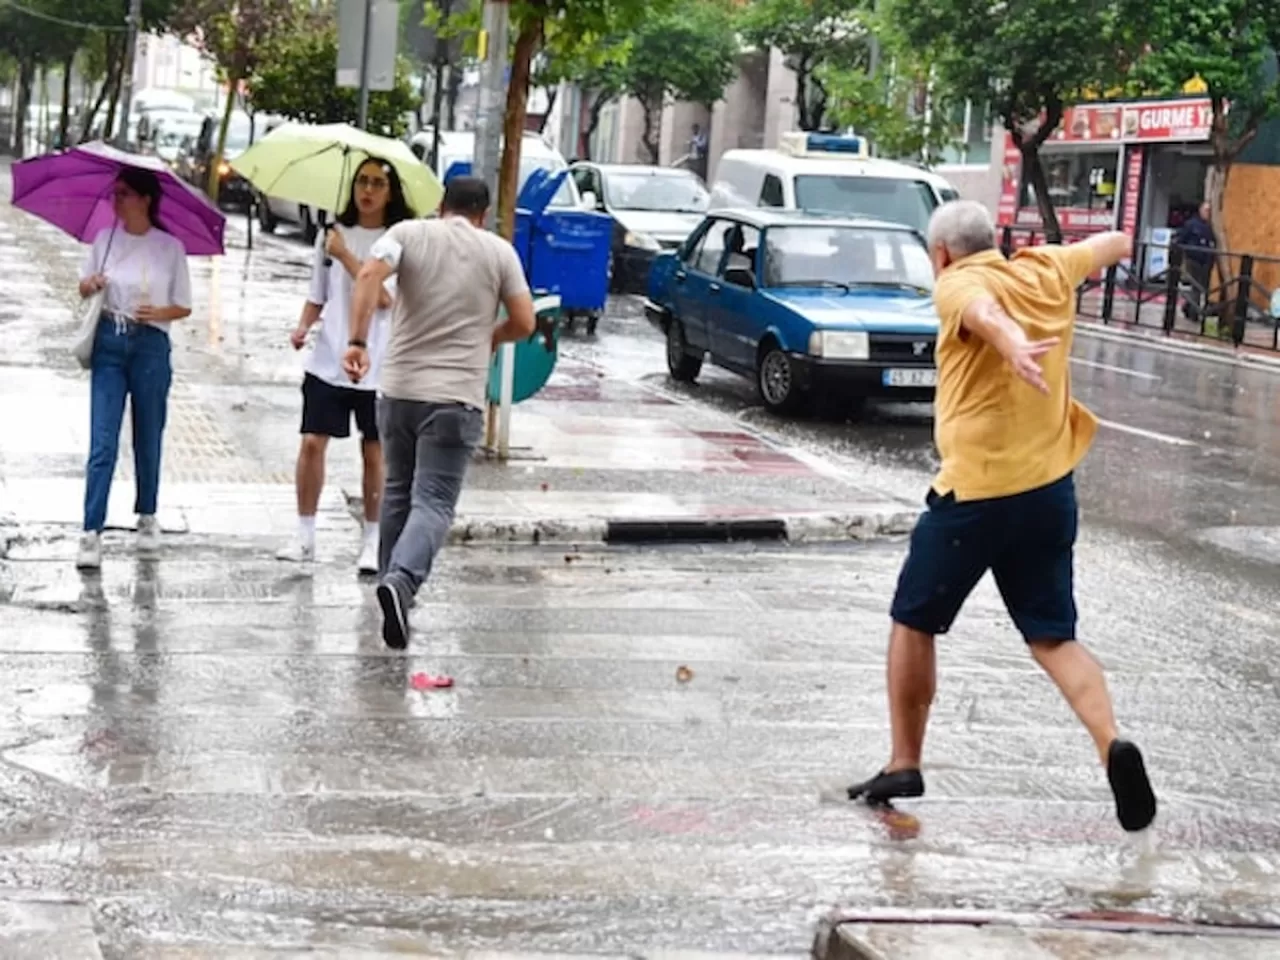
[[1219, 295]]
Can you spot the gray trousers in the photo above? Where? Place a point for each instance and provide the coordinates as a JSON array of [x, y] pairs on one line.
[[426, 448]]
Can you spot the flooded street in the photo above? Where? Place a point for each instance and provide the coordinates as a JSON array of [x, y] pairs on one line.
[[212, 756]]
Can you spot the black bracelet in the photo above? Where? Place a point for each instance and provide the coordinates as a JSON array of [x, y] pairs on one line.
[[358, 343]]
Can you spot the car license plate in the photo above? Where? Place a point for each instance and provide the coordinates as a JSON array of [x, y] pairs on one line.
[[921, 377]]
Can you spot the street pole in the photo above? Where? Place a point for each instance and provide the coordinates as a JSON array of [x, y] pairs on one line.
[[364, 64], [130, 59], [494, 37], [494, 33]]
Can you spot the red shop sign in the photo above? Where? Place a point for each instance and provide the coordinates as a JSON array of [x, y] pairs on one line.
[[1141, 122]]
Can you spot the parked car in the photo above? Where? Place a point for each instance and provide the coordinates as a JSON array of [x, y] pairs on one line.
[[273, 211], [233, 189], [810, 307], [832, 174], [653, 209]]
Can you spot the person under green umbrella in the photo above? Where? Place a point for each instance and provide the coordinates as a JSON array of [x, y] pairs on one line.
[[376, 202]]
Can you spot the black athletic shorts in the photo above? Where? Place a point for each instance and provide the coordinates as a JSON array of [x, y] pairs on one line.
[[327, 410]]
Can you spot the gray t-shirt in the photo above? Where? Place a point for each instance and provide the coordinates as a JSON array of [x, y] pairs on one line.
[[452, 277]]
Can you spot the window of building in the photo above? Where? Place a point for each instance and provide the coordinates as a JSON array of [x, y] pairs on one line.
[[970, 127]]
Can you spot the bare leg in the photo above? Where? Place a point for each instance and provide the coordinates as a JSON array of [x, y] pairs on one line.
[[310, 475], [1079, 676], [913, 680], [373, 476]]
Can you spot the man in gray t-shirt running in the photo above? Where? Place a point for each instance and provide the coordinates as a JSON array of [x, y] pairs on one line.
[[452, 276]]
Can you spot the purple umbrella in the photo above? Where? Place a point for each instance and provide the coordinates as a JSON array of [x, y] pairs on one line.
[[73, 191]]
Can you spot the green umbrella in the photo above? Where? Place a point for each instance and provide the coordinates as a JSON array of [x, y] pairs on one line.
[[314, 165]]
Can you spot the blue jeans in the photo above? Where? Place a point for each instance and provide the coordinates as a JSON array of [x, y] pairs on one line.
[[129, 360], [426, 448]]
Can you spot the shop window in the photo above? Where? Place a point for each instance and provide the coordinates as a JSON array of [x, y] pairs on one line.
[[1078, 181]]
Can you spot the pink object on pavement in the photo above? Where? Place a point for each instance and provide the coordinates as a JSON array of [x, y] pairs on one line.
[[424, 681]]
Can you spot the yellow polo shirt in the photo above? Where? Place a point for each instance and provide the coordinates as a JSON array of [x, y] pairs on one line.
[[998, 435]]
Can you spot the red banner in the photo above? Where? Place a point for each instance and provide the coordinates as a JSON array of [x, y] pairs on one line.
[[1132, 189], [1143, 122]]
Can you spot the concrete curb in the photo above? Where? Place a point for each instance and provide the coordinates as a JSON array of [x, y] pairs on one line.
[[873, 523], [1226, 356]]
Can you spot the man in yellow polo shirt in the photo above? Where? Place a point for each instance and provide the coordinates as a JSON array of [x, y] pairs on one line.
[[1010, 436]]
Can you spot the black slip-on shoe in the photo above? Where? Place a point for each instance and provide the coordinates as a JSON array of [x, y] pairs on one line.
[[395, 622], [884, 787], [1135, 800]]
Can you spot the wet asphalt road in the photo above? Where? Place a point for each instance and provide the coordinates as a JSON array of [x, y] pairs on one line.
[[209, 752]]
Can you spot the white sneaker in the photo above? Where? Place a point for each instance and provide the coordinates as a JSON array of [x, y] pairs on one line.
[[367, 565], [297, 552], [90, 555], [148, 536]]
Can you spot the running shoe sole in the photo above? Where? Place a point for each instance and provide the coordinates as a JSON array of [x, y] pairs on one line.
[[395, 625]]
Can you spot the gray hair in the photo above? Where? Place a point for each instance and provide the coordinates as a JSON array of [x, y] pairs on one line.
[[962, 228]]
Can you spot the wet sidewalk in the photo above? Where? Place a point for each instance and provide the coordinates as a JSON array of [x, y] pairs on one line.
[[596, 456]]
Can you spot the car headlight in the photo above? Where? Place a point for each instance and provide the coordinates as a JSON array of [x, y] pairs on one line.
[[840, 345], [641, 241]]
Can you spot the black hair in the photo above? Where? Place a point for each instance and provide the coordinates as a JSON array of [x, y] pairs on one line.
[[397, 207], [468, 196], [145, 184]]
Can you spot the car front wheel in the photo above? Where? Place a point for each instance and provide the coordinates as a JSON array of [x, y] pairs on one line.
[[776, 380], [681, 364]]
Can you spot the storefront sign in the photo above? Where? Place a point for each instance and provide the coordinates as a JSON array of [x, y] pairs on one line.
[[1132, 189], [1144, 122]]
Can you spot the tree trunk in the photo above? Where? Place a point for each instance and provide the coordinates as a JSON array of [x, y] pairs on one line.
[[64, 121], [451, 98], [593, 124], [26, 75], [1034, 172], [652, 112], [215, 162], [86, 127], [108, 128], [437, 108], [551, 105], [527, 42]]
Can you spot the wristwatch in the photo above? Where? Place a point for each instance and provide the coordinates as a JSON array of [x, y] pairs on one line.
[[357, 343]]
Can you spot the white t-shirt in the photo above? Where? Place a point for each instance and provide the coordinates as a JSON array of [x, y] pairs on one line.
[[148, 268], [332, 288]]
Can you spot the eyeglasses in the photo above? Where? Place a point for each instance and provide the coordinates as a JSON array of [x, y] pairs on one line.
[[372, 183]]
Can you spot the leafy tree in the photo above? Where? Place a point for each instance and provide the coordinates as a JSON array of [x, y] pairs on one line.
[[298, 81], [813, 35], [1228, 44], [237, 36], [690, 54], [904, 110], [1028, 59], [600, 72]]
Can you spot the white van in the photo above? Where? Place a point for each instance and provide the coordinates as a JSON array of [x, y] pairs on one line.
[[828, 173], [459, 146]]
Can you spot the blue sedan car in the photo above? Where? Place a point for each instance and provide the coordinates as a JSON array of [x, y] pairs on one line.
[[812, 308]]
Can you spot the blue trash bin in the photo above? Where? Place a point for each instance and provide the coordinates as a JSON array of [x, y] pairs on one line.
[[565, 252]]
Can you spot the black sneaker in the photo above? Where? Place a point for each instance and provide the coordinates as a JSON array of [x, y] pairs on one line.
[[395, 622], [885, 787], [1135, 800]]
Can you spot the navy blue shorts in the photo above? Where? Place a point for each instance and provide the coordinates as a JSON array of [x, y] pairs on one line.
[[1027, 541]]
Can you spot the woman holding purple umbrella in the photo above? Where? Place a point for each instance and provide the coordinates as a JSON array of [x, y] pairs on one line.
[[143, 270]]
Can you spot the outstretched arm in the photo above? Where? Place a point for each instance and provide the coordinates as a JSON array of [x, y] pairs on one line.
[[985, 319]]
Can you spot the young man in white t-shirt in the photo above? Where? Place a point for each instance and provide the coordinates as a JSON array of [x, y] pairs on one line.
[[330, 401], [452, 278]]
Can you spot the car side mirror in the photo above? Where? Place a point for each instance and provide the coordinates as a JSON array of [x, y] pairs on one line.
[[590, 201], [740, 277]]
